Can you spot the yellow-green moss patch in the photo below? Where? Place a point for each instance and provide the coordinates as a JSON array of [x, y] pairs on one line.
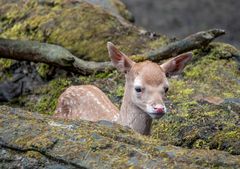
[[81, 27], [193, 122]]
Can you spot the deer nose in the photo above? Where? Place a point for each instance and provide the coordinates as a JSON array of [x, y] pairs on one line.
[[158, 108]]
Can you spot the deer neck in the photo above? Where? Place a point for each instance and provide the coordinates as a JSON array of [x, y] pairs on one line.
[[132, 116]]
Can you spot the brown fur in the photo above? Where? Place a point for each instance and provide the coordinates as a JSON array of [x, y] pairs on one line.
[[151, 72], [87, 102]]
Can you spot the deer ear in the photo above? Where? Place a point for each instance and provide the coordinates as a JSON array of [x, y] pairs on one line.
[[176, 65], [119, 59]]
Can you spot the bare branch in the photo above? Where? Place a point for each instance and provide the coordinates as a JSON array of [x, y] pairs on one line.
[[59, 56], [194, 41], [50, 54]]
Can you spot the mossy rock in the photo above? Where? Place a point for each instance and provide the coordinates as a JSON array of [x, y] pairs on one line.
[[4, 64], [192, 121], [80, 26], [200, 114], [42, 142]]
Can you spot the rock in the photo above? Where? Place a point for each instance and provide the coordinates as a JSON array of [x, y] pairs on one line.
[[71, 24], [38, 141], [193, 124], [81, 26], [24, 78], [190, 123], [211, 122]]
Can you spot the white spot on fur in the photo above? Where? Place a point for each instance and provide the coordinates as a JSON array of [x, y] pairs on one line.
[[149, 109], [138, 81], [90, 94], [115, 118]]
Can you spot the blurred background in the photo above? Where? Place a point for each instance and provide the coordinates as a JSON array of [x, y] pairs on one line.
[[179, 18]]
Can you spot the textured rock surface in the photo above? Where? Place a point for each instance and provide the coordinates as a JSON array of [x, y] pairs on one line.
[[83, 27], [203, 102], [195, 120], [32, 140]]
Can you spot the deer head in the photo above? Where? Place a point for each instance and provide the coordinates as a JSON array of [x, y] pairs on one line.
[[146, 82]]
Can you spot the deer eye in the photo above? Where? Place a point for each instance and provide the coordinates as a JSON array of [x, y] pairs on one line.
[[138, 89], [166, 89]]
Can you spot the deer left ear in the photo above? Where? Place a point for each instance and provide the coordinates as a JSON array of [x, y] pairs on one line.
[[119, 59], [176, 65]]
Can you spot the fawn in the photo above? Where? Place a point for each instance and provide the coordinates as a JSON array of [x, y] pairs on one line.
[[145, 89]]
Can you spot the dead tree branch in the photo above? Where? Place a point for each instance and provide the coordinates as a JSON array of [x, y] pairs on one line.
[[59, 56], [194, 41], [49, 54]]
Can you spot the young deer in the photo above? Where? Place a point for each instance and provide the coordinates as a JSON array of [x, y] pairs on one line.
[[145, 89]]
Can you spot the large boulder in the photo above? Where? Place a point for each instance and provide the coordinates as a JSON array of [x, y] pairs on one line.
[[82, 26], [31, 140], [205, 102]]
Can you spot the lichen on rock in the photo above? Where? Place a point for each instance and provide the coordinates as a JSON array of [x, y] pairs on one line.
[[203, 102], [42, 141], [195, 123], [81, 27]]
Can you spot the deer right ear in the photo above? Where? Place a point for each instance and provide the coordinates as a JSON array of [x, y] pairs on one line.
[[176, 65], [119, 59]]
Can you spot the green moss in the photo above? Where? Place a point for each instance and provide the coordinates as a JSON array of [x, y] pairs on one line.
[[200, 144], [214, 74], [120, 91], [193, 122], [47, 102], [228, 141], [34, 154], [43, 69], [32, 28], [223, 50], [180, 92], [5, 63], [74, 27], [93, 145], [211, 113], [102, 75], [158, 42], [123, 10], [190, 123], [44, 98], [138, 58]]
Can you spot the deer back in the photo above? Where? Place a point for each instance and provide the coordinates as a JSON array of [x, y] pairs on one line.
[[86, 102]]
